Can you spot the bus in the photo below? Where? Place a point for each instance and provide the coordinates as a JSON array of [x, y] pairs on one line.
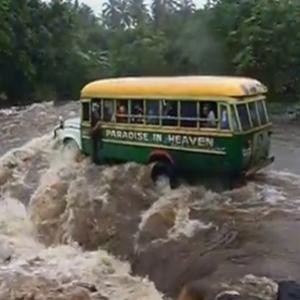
[[196, 125]]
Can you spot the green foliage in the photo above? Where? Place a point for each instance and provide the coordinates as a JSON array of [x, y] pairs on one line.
[[51, 49]]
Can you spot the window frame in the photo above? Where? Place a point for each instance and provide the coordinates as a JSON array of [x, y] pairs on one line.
[[157, 117], [163, 117], [180, 118], [132, 116], [218, 106], [230, 121], [126, 116], [113, 116], [248, 114], [266, 115], [82, 103], [257, 114], [97, 100], [200, 119], [266, 110]]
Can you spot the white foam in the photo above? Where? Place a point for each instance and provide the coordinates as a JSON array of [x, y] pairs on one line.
[[16, 231], [64, 264], [69, 264], [179, 201], [273, 195]]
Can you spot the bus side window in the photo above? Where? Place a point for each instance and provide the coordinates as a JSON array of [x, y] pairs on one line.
[[262, 112], [137, 111], [235, 125], [224, 117], [170, 113], [152, 112], [244, 117], [253, 113], [85, 111], [208, 114], [108, 110], [96, 111], [122, 111], [188, 114]]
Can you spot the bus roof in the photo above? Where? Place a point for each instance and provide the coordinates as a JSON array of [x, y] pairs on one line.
[[183, 87]]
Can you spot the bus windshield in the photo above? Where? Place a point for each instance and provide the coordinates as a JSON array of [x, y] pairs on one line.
[[252, 114]]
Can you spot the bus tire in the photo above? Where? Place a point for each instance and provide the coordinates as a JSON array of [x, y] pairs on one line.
[[71, 145], [165, 169]]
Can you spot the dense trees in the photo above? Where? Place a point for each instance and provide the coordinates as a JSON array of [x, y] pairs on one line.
[[50, 49]]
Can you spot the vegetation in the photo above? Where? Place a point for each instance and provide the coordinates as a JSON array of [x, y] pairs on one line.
[[50, 49]]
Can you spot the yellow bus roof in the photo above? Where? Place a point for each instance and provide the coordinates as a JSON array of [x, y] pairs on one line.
[[183, 87]]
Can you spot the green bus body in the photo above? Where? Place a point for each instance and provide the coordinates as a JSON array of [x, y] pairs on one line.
[[196, 153]]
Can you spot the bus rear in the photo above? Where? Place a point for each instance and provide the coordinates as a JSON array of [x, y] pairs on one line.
[[253, 132]]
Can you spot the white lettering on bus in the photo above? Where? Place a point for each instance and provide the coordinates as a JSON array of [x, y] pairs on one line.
[[157, 138], [171, 139], [119, 134], [190, 140]]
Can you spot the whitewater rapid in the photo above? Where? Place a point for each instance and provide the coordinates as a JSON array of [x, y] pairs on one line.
[[71, 229], [60, 270]]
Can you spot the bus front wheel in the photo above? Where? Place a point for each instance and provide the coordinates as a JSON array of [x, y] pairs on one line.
[[164, 170], [71, 148]]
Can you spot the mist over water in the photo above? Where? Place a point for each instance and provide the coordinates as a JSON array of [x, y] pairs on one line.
[[69, 228]]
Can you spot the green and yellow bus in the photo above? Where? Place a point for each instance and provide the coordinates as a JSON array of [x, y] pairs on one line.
[[201, 125]]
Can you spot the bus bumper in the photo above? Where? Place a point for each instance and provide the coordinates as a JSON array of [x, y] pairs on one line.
[[260, 166], [54, 133]]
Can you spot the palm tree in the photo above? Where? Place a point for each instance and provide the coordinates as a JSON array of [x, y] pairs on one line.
[[115, 14], [137, 11], [162, 8], [188, 5]]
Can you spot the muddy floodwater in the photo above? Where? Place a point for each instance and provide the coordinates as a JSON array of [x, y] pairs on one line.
[[73, 230]]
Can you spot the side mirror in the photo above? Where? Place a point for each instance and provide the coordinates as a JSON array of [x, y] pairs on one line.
[[61, 122]]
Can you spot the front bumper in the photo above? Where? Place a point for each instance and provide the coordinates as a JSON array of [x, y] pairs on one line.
[[55, 130], [259, 166]]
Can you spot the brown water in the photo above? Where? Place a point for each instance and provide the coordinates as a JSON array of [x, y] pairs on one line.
[[72, 229]]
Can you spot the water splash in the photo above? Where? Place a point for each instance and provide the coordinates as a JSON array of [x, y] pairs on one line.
[[48, 199]]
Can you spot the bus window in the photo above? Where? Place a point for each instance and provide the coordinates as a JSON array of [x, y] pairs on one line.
[[208, 114], [234, 120], [244, 117], [224, 117], [152, 112], [262, 113], [188, 114], [96, 111], [137, 111], [253, 113], [170, 113], [122, 111], [85, 111], [108, 109]]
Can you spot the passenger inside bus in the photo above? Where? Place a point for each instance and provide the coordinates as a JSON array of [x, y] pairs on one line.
[[137, 112], [209, 116], [122, 116], [96, 112], [170, 113], [224, 118]]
